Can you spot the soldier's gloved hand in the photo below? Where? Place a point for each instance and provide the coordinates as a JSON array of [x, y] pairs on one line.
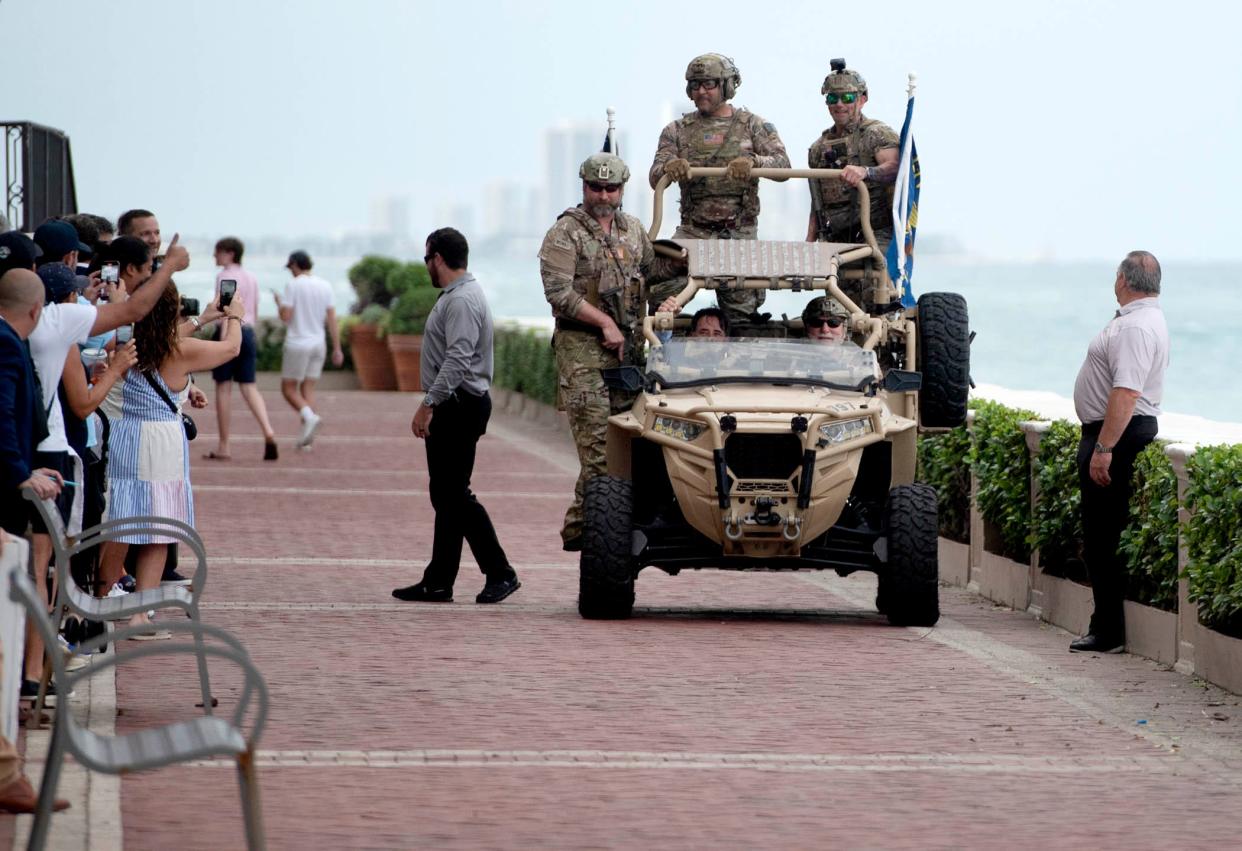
[[739, 169], [677, 170]]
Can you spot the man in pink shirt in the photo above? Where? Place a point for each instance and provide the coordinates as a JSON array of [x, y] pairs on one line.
[[241, 369]]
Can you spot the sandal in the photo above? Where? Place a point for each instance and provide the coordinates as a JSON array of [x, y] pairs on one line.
[[216, 456], [153, 635]]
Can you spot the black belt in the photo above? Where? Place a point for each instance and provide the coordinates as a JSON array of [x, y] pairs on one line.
[[724, 224], [564, 324], [1093, 429]]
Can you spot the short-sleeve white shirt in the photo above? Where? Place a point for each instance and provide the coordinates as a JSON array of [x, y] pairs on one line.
[[60, 328], [1131, 352], [310, 297]]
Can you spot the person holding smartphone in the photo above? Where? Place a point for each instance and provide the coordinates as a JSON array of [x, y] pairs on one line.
[[233, 278]]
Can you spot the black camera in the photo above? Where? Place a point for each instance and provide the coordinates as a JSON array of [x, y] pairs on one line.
[[836, 64], [189, 307]]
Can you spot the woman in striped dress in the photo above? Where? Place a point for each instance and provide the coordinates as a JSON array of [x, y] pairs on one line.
[[148, 454]]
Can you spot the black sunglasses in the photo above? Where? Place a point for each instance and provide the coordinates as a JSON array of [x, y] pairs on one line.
[[830, 321], [427, 258], [603, 187]]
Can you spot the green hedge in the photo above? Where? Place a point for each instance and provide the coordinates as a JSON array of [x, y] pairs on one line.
[[943, 464], [1214, 536], [1002, 464], [1057, 522], [1149, 543], [525, 363]]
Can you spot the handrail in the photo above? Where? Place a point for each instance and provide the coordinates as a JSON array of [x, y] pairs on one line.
[[780, 174]]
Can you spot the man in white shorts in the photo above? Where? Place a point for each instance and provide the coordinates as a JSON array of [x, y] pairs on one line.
[[306, 309]]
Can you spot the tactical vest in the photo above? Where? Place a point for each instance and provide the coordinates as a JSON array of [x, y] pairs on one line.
[[610, 283], [834, 202], [702, 146]]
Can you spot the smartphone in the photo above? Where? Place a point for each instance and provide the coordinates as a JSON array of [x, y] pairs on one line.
[[228, 288], [124, 334], [110, 273]]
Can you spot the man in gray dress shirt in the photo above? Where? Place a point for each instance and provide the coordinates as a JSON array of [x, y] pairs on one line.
[[1117, 398], [456, 374]]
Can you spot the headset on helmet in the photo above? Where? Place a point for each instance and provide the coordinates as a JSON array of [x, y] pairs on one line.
[[604, 168], [841, 80], [714, 66]]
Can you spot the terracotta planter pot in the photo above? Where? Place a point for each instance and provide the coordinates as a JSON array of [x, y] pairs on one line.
[[372, 362], [405, 351]]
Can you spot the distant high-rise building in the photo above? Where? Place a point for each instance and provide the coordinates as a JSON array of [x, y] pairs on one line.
[[454, 214], [390, 215], [565, 147], [508, 210]]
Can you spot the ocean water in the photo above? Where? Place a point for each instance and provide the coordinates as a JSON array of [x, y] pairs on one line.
[[1033, 321]]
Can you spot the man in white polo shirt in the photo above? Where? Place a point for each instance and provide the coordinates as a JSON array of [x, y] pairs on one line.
[[306, 309], [1117, 398]]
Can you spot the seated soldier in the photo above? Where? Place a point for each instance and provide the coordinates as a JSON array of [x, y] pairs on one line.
[[710, 323], [825, 320]]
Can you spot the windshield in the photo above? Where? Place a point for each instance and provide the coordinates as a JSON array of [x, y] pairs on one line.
[[685, 361]]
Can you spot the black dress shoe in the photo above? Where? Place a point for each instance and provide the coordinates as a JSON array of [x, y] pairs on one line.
[[573, 545], [494, 592], [420, 593], [1092, 643]]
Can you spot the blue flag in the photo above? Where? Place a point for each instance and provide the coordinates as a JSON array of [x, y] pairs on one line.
[[905, 211]]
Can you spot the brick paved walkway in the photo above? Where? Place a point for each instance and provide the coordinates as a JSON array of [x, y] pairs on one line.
[[734, 710]]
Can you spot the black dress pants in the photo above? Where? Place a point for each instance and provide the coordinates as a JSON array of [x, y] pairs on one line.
[[456, 427], [1105, 512]]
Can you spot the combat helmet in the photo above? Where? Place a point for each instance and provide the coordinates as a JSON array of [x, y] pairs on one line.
[[841, 80], [823, 307], [604, 168], [714, 66]]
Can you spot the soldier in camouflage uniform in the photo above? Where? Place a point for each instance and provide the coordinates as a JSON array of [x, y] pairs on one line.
[[594, 263], [717, 134], [864, 149]]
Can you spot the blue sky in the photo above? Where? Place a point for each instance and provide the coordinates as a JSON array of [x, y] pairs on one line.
[[1074, 130]]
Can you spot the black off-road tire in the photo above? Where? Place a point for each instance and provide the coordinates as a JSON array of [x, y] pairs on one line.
[[944, 359], [909, 586], [605, 569]]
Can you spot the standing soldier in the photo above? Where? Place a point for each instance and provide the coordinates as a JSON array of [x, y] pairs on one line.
[[716, 135], [864, 149], [593, 262]]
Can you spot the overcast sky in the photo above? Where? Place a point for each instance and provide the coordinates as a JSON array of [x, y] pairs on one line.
[[1066, 129]]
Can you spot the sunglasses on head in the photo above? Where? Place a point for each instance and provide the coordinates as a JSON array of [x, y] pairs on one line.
[[830, 321], [844, 97], [707, 85], [603, 187]]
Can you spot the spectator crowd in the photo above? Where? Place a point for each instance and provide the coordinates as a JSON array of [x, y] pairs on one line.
[[98, 353]]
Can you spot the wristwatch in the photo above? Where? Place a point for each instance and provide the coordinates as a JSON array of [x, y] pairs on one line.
[[1101, 449], [870, 172], [194, 319], [427, 403]]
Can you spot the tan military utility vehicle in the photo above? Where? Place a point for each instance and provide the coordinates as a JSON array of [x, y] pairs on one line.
[[776, 452]]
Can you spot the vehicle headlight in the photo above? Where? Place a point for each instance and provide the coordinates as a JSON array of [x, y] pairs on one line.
[[680, 429], [841, 431]]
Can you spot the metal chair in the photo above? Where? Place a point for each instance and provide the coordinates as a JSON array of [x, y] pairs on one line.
[[197, 738], [71, 598]]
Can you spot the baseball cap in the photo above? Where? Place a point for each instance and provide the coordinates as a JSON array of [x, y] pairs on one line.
[[17, 251], [300, 259], [58, 281], [58, 238]]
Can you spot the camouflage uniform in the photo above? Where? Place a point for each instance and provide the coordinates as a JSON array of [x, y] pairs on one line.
[[580, 263], [834, 202], [718, 207]]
